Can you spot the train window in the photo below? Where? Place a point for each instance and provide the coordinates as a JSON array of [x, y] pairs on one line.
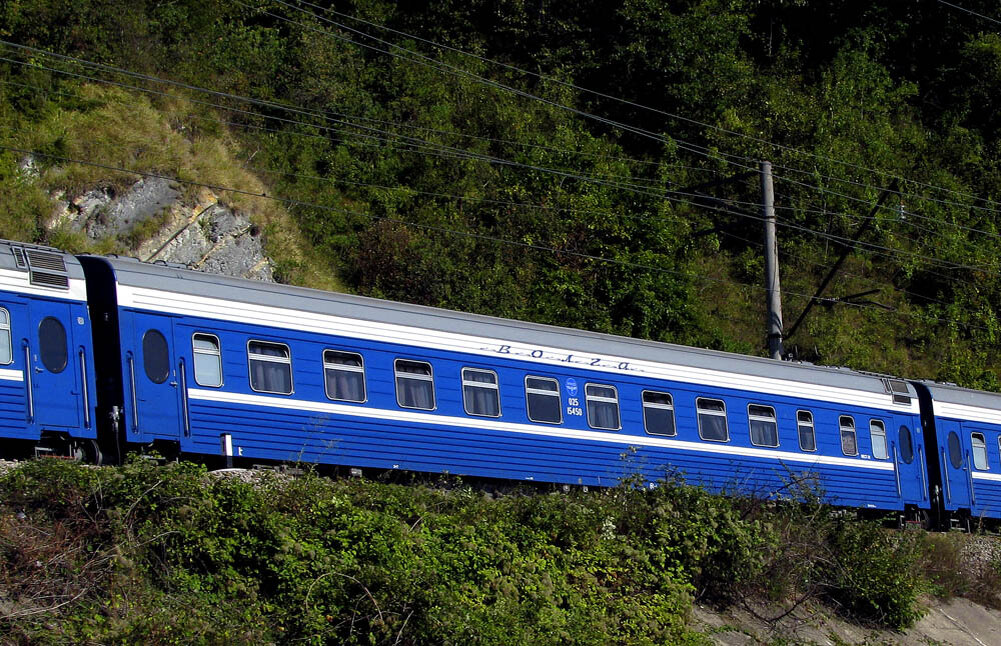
[[979, 451], [712, 420], [52, 344], [807, 434], [480, 392], [543, 398], [270, 367], [344, 376], [877, 436], [955, 451], [906, 445], [849, 444], [208, 360], [156, 357], [414, 384], [764, 428], [6, 353], [658, 413], [602, 407]]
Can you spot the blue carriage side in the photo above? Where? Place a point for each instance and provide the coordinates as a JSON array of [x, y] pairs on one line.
[[963, 430], [260, 371], [47, 387]]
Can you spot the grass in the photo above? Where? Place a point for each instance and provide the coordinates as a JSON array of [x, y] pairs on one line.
[[169, 136]]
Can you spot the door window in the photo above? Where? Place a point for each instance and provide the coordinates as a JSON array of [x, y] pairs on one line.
[[906, 445], [52, 344], [156, 359]]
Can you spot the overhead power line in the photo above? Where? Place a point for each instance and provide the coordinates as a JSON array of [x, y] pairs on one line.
[[477, 236], [972, 13], [575, 87], [461, 153]]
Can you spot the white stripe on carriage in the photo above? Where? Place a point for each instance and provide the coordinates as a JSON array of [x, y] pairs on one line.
[[284, 318], [980, 475], [531, 429], [966, 412], [18, 281], [11, 375]]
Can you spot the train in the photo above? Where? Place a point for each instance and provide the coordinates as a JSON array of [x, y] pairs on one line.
[[103, 355]]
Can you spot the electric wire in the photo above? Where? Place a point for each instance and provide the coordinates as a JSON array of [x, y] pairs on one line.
[[969, 11], [478, 236], [869, 247], [426, 61], [604, 95]]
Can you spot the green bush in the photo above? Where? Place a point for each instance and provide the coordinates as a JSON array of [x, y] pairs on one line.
[[875, 575]]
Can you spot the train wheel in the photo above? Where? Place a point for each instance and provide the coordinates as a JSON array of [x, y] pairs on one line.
[[86, 451]]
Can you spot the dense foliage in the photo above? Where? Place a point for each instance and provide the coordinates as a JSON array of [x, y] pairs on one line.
[[412, 167], [175, 555]]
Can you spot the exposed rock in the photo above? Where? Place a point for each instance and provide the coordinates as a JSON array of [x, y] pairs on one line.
[[207, 235]]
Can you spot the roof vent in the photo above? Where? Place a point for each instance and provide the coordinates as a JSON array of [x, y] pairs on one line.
[[898, 388], [48, 269], [19, 259]]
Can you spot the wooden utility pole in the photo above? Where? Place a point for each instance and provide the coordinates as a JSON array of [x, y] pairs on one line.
[[771, 264]]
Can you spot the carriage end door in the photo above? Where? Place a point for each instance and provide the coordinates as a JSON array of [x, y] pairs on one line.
[[155, 379]]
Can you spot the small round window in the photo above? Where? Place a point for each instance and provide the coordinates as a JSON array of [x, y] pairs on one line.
[[155, 358], [955, 451], [906, 445], [52, 344]]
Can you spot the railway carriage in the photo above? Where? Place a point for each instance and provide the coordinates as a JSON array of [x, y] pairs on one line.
[[46, 378], [963, 431], [114, 353], [259, 371]]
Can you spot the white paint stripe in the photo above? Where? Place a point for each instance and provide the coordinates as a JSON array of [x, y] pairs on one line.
[[12, 375], [200, 306], [18, 281], [980, 475], [967, 412], [530, 429]]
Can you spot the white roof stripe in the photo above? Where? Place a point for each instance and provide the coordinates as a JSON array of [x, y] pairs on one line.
[[967, 412], [18, 281], [807, 459]]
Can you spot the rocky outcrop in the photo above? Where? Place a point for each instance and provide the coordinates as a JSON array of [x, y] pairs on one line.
[[153, 217]]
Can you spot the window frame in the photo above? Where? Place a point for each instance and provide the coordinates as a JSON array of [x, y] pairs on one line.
[[699, 413], [886, 446], [813, 430], [973, 451], [346, 368], [599, 398], [670, 406], [397, 375], [217, 353], [287, 361], [7, 327], [773, 419], [841, 435], [546, 393], [480, 384]]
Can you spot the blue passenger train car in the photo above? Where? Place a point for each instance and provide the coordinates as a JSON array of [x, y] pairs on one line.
[[963, 433], [47, 388], [224, 366]]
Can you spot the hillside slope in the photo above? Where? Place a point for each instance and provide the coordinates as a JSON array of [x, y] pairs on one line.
[[450, 156]]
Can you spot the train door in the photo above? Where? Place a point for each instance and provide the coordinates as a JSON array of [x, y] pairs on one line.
[[56, 392], [955, 458], [154, 379], [908, 456]]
